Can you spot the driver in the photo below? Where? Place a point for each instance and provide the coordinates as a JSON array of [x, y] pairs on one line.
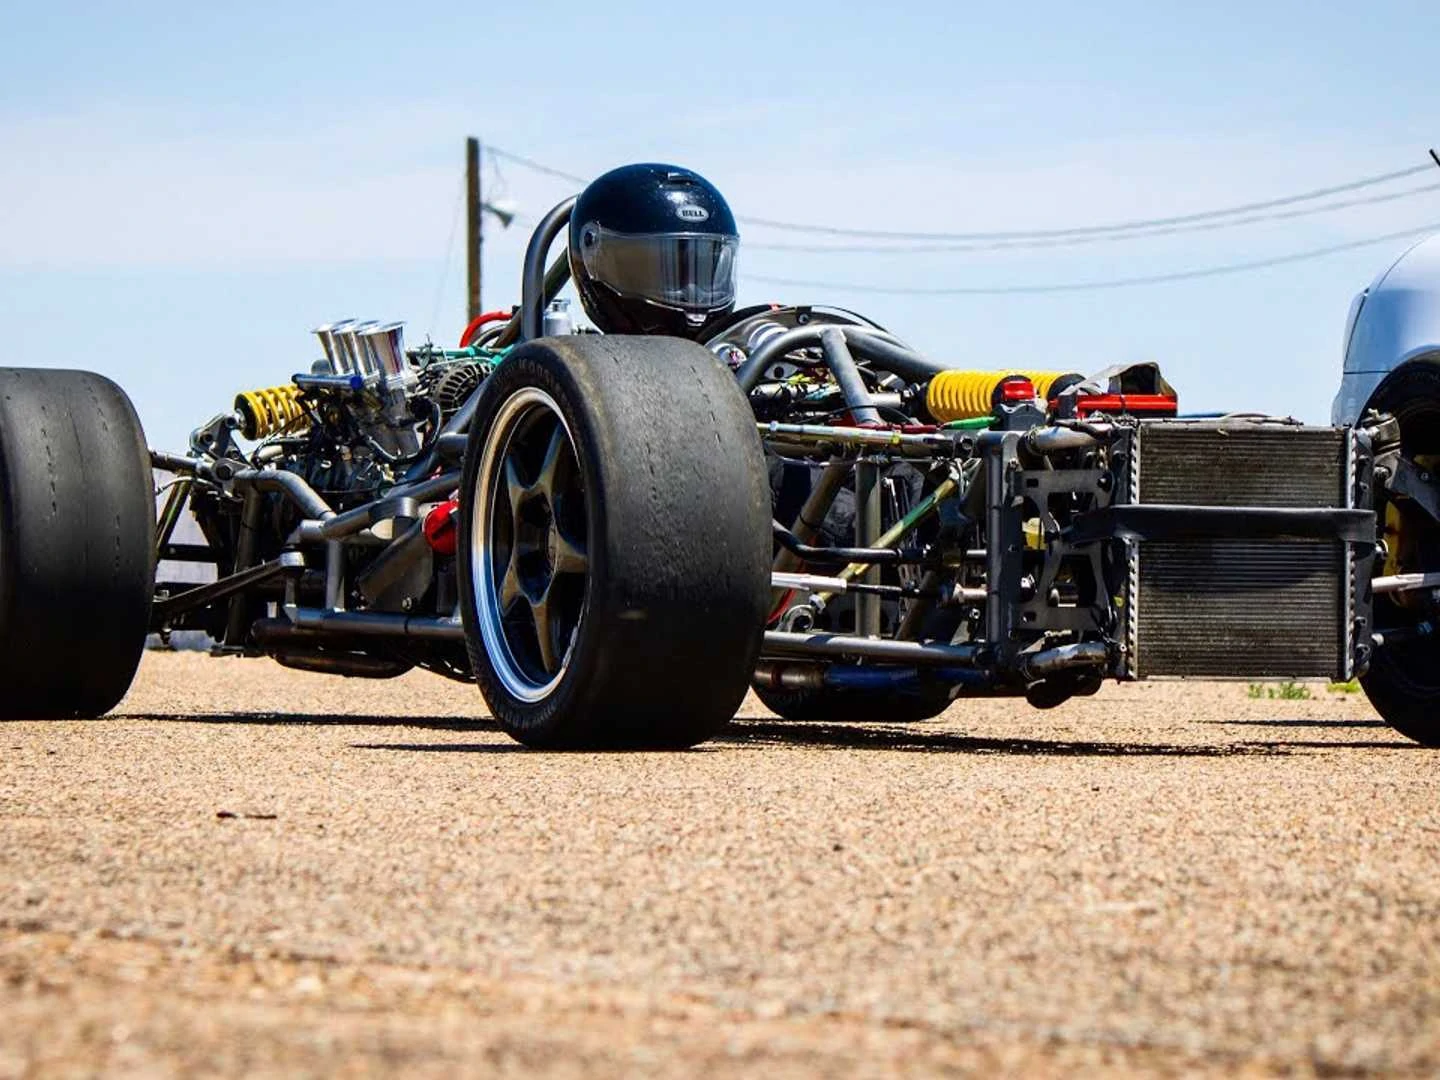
[[652, 251]]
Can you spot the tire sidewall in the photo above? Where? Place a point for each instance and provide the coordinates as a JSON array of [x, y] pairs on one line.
[[533, 722]]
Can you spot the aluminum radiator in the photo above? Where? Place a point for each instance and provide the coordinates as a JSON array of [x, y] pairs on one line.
[[1241, 608]]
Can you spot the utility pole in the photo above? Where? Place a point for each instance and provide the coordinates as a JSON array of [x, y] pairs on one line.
[[474, 229]]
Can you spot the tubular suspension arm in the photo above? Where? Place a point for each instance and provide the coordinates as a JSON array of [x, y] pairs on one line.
[[821, 554], [164, 610], [291, 485]]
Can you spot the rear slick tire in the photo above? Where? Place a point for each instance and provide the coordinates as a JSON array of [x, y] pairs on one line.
[[615, 543], [77, 543]]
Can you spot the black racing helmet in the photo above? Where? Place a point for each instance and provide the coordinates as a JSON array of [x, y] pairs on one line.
[[652, 251]]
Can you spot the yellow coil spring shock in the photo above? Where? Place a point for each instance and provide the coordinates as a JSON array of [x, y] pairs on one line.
[[275, 410], [965, 395]]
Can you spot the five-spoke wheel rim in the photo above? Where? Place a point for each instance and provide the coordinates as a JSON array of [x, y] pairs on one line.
[[529, 544]]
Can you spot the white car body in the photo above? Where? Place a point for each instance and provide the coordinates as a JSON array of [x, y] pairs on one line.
[[1396, 321]]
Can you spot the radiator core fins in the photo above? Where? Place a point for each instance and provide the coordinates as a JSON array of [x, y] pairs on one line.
[[1242, 608], [1236, 465]]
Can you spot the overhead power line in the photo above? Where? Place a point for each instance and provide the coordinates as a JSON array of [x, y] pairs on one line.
[[535, 166], [1227, 217], [1087, 286], [1121, 227], [1070, 241]]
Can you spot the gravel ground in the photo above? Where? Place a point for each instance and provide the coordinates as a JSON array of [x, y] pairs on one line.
[[247, 869]]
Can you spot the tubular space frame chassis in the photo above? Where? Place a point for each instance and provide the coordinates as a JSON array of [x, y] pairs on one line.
[[865, 452]]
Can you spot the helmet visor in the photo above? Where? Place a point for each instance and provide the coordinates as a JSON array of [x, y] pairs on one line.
[[691, 271]]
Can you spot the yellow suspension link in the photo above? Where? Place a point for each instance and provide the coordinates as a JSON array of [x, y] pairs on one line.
[[275, 410], [965, 395]]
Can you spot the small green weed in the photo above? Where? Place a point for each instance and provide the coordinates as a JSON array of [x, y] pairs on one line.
[[1351, 687]]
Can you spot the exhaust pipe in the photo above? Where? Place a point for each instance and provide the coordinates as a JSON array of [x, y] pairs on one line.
[[1040, 665]]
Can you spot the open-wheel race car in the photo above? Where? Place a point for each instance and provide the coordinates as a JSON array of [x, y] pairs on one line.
[[617, 534]]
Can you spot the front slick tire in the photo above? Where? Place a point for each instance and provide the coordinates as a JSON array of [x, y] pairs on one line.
[[77, 544], [1403, 682], [615, 543]]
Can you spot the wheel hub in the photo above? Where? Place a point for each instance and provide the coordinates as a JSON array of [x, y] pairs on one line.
[[530, 593]]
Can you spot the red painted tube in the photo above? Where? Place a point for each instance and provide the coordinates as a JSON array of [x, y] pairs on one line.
[[479, 321]]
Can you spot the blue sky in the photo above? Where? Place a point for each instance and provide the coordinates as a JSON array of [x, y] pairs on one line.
[[185, 190]]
